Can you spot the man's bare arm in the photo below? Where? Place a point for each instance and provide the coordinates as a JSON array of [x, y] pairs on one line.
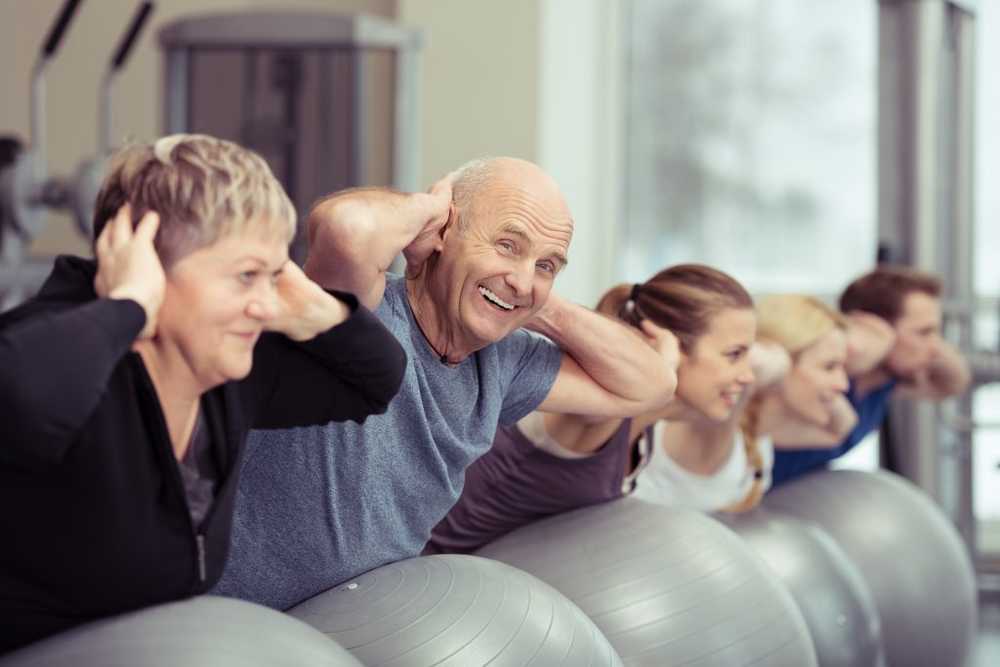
[[793, 433], [948, 375], [608, 369], [355, 235]]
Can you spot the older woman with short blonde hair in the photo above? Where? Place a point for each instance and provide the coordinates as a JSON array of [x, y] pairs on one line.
[[129, 383]]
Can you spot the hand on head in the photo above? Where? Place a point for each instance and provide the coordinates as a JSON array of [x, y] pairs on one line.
[[438, 208], [663, 341], [128, 266], [869, 340], [301, 309]]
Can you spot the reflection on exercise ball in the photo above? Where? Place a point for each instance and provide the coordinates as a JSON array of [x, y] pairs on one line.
[[667, 587], [831, 593], [460, 611], [913, 560], [201, 632]]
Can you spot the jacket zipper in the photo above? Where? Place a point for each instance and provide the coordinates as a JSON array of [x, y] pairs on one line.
[[200, 541], [167, 451]]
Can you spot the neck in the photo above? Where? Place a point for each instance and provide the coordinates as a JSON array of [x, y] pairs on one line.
[[440, 335], [698, 445], [176, 389]]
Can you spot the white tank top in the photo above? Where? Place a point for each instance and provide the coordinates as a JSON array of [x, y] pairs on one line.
[[664, 482]]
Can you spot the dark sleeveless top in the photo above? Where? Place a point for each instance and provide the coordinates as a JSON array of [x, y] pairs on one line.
[[516, 483]]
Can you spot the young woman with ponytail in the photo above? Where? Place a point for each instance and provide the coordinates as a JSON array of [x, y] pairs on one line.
[[798, 396], [553, 463]]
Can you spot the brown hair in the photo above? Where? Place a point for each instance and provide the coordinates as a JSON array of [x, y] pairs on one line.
[[203, 188], [883, 291], [682, 298]]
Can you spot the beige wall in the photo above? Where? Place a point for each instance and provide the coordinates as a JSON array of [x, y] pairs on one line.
[[478, 88], [73, 77], [479, 82]]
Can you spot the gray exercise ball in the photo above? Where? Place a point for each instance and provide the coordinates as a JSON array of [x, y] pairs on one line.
[[666, 586], [201, 632], [912, 558], [456, 611], [831, 593]]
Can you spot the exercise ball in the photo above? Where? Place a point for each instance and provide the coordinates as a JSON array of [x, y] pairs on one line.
[[912, 558], [666, 586], [201, 632], [455, 611], [833, 597]]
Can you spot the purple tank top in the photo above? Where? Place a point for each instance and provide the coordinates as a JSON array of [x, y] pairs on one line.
[[516, 483]]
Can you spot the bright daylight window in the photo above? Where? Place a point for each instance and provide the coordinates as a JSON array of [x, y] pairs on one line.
[[751, 140]]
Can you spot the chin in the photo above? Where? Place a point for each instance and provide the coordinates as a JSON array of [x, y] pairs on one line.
[[237, 371]]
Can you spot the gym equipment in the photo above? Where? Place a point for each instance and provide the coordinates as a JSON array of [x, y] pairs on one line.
[[666, 586], [831, 594], [28, 191], [329, 100], [455, 611], [911, 557], [204, 631]]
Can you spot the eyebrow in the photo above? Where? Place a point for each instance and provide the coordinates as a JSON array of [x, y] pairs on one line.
[[515, 230], [260, 262]]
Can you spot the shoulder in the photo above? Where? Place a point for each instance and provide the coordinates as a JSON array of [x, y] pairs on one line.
[[392, 308]]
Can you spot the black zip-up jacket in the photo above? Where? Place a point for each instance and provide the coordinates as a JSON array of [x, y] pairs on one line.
[[93, 514]]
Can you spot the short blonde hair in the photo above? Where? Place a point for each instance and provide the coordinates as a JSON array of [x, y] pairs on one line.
[[795, 321], [203, 188]]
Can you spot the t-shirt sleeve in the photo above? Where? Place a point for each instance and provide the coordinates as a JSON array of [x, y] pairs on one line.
[[529, 364]]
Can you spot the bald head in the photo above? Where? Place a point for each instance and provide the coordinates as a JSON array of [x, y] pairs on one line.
[[478, 183]]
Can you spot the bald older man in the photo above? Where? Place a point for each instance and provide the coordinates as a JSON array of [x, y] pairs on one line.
[[318, 506]]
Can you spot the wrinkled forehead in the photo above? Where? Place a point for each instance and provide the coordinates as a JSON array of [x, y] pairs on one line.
[[539, 213]]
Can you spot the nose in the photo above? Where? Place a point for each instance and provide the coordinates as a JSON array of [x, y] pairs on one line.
[[263, 304], [520, 278], [746, 376], [840, 380]]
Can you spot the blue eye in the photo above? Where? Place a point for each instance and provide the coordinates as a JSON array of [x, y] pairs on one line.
[[548, 267], [506, 245], [247, 277]]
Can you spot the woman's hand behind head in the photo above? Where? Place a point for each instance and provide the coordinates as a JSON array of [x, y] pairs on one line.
[[303, 308], [128, 266]]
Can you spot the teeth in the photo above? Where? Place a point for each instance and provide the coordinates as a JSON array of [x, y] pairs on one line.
[[490, 296]]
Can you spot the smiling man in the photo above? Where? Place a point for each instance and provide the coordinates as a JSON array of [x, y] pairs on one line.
[[894, 342], [318, 506]]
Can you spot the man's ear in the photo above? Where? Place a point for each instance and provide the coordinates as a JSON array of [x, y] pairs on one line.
[[447, 228]]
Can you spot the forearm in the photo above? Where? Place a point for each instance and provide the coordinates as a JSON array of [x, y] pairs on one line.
[[795, 433], [54, 369], [613, 355], [348, 372], [354, 237]]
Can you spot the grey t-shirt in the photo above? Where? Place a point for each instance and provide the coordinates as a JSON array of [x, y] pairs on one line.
[[319, 505]]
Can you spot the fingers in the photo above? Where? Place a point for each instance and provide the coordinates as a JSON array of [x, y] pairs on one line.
[[121, 228], [107, 239], [145, 231], [652, 330]]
